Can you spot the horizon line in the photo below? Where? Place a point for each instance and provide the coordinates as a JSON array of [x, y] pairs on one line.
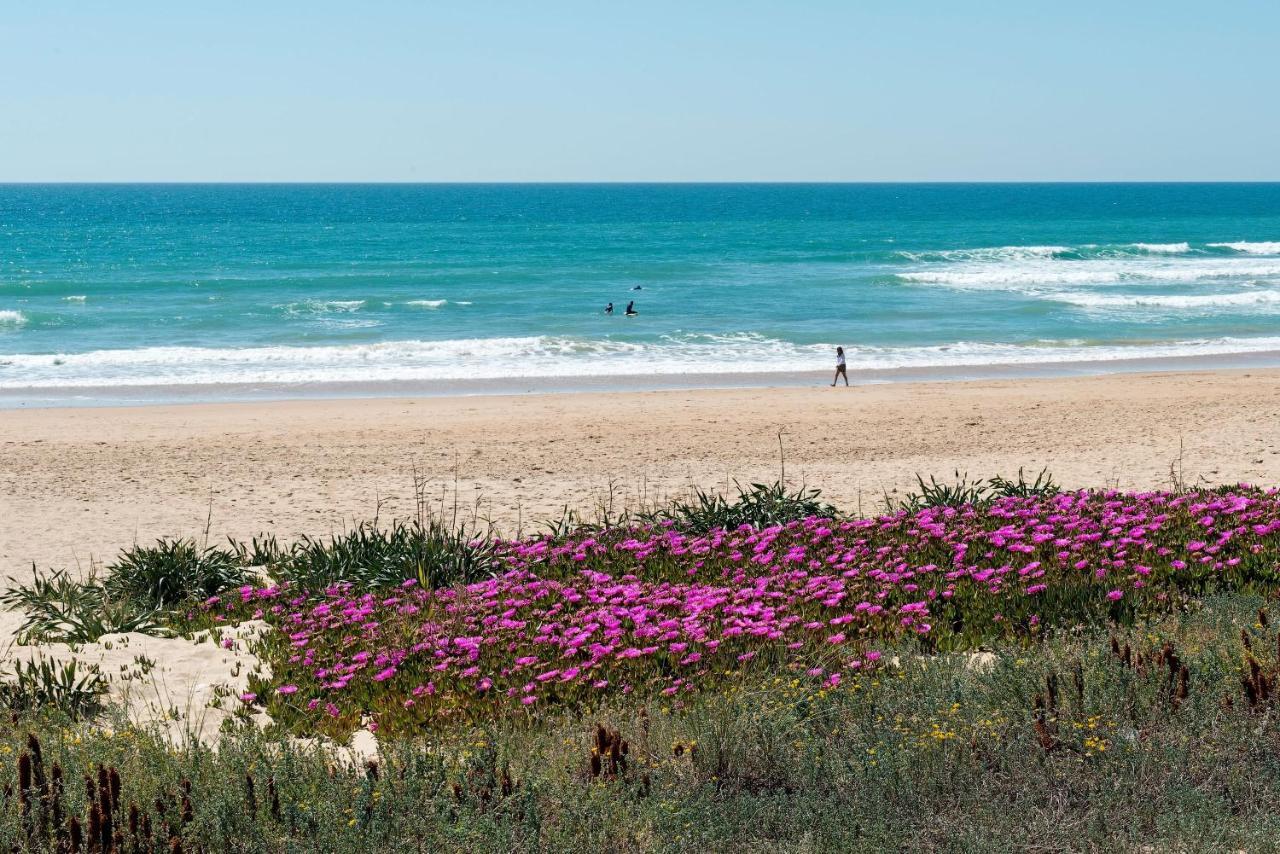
[[547, 183]]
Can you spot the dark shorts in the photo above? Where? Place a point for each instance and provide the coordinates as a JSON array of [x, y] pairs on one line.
[[839, 369]]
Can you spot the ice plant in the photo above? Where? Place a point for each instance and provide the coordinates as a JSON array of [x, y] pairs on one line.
[[654, 609]]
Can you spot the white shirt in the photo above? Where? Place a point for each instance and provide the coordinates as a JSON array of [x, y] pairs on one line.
[[839, 358]]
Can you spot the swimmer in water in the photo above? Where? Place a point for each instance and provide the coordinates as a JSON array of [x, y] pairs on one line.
[[608, 309], [631, 308]]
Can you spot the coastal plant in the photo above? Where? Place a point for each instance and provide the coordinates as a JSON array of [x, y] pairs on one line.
[[370, 557], [962, 491], [1072, 742], [959, 493], [263, 551], [173, 571], [72, 687], [651, 608], [757, 506], [58, 608], [1043, 486]]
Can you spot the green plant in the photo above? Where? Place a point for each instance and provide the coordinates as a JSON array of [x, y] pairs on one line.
[[1042, 487], [372, 557], [69, 686], [58, 608], [979, 493], [173, 571], [261, 551], [759, 506]]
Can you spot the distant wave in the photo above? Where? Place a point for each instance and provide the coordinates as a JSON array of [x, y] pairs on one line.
[[12, 318], [1003, 254], [1246, 298], [340, 306], [547, 357], [992, 253], [1258, 248], [1097, 272], [428, 303], [82, 298], [1164, 248]]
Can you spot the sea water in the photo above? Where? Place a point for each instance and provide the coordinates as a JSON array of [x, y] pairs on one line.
[[181, 286]]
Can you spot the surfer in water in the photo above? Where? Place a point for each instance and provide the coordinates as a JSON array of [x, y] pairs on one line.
[[840, 368], [608, 309], [631, 309]]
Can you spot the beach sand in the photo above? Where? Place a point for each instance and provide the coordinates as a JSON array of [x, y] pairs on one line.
[[77, 485]]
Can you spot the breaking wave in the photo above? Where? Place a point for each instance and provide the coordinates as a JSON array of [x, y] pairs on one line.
[[547, 357]]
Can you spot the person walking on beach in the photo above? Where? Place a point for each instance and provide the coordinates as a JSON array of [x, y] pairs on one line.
[[840, 368]]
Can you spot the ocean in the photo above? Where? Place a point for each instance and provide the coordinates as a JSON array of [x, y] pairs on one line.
[[106, 290]]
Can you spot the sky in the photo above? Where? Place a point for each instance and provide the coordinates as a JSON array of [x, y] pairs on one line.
[[544, 90]]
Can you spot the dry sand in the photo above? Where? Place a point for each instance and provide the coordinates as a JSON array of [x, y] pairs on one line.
[[78, 484]]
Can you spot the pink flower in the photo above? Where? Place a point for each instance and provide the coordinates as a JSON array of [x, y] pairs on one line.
[[1115, 595], [287, 689]]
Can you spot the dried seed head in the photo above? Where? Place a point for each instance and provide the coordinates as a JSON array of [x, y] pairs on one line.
[[114, 779], [24, 774]]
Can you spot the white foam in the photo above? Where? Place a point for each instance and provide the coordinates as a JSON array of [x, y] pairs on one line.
[[82, 298], [547, 357], [1263, 247], [12, 318], [1192, 301], [984, 277], [990, 253], [338, 306], [1164, 248], [1093, 271], [429, 303]]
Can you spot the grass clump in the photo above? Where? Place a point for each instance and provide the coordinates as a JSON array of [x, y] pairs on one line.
[[963, 492], [60, 609], [70, 686], [173, 571], [758, 506], [371, 557]]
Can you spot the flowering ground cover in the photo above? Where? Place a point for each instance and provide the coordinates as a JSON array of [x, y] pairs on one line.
[[653, 611]]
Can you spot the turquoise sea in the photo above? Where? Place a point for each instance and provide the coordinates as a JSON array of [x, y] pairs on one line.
[[297, 286]]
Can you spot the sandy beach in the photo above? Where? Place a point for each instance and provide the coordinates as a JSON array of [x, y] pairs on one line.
[[79, 484]]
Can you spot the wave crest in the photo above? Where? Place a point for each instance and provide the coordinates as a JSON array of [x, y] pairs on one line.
[[548, 357]]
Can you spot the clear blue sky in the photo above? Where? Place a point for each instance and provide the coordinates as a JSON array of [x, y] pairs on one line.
[[543, 90]]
